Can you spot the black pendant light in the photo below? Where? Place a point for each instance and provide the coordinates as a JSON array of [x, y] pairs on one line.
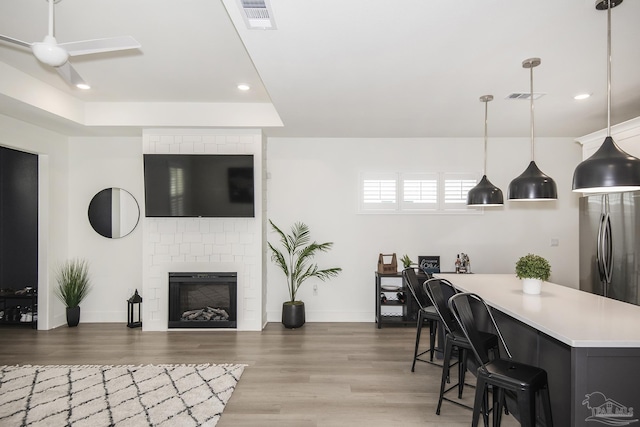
[[609, 169], [532, 184], [485, 193]]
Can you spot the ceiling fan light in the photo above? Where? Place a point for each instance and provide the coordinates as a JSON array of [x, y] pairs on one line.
[[49, 52], [609, 170], [485, 194], [532, 185]]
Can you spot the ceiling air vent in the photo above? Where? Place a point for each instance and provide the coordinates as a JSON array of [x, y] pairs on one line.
[[257, 14], [525, 96]]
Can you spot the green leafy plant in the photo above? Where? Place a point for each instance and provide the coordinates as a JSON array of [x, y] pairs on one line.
[[406, 261], [533, 266], [73, 282], [295, 257]]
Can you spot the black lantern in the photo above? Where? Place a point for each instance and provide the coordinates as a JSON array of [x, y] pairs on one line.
[[135, 311]]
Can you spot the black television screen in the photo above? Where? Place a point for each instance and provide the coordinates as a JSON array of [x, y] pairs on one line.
[[198, 185]]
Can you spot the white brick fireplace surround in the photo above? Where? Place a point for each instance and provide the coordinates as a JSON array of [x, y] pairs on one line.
[[204, 244]]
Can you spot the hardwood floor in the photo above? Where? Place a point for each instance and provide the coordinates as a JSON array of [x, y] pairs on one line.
[[323, 374]]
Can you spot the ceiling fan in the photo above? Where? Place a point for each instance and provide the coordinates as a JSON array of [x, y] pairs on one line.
[[55, 54]]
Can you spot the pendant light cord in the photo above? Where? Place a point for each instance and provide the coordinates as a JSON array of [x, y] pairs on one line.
[[486, 107], [532, 136], [608, 67]]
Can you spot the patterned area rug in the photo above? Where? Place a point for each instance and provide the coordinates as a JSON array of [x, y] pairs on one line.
[[126, 395]]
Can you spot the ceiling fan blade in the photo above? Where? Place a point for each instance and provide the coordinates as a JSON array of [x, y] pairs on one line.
[[111, 44], [14, 41], [68, 73]]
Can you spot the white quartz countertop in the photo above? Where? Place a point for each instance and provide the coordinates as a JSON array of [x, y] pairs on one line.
[[574, 317]]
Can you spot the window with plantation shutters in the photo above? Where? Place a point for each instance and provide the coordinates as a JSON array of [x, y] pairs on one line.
[[456, 187], [396, 192], [378, 192], [419, 191]]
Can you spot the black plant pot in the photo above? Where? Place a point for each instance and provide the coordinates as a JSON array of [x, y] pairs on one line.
[[293, 314], [73, 316]]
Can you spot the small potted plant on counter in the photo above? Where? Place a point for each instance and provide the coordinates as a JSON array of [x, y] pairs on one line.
[[73, 286], [406, 261], [295, 262], [532, 270]]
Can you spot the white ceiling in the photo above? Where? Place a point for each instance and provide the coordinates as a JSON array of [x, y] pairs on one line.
[[333, 68]]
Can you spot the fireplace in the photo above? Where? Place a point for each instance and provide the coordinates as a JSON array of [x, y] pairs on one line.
[[202, 300]]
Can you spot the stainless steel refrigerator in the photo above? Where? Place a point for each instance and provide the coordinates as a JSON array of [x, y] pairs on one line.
[[610, 245]]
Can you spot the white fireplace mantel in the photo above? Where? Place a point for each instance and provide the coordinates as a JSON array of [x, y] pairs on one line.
[[205, 244]]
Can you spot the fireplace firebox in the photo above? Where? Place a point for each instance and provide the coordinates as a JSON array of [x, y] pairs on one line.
[[203, 300]]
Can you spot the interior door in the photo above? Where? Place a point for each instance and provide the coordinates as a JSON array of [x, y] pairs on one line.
[[18, 219]]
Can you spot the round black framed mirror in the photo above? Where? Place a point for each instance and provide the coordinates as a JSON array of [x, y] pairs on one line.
[[114, 213]]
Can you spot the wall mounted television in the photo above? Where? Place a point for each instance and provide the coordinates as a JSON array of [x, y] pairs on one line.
[[198, 185]]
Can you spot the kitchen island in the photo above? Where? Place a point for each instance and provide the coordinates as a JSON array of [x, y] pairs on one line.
[[589, 345]]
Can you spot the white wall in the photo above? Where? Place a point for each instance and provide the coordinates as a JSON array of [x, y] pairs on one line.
[[118, 266], [115, 265], [316, 181], [53, 207]]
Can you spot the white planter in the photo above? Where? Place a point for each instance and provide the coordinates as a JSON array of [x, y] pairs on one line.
[[531, 286]]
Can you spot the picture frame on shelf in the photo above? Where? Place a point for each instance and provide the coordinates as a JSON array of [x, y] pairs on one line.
[[429, 264]]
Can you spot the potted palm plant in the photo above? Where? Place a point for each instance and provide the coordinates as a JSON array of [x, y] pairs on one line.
[[532, 270], [73, 286], [294, 259]]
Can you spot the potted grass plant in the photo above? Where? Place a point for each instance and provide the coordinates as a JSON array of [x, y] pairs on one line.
[[295, 261], [532, 270], [73, 286]]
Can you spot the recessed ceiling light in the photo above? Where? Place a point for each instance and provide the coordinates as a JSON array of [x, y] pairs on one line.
[[83, 86], [243, 86], [582, 96]]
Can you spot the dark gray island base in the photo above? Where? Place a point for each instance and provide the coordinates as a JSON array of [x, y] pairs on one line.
[[589, 346]]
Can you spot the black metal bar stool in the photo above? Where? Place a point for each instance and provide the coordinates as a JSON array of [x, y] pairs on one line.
[[426, 313], [514, 384], [439, 291]]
